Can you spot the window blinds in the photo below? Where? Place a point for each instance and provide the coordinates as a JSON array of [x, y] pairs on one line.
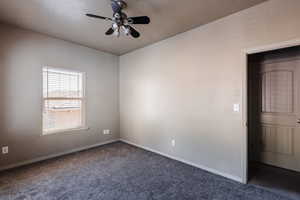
[[63, 97]]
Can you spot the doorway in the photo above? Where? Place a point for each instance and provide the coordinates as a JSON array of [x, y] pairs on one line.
[[274, 120]]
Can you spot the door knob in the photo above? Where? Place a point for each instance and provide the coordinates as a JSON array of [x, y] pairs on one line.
[[298, 121]]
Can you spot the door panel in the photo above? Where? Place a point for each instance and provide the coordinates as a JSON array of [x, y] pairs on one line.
[[279, 127], [277, 91], [277, 140]]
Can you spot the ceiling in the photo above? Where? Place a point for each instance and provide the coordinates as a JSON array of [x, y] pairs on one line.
[[65, 19]]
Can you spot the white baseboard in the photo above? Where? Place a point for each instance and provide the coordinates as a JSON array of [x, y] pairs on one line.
[[55, 155], [214, 171]]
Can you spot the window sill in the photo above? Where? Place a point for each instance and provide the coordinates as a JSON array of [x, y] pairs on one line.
[[65, 131]]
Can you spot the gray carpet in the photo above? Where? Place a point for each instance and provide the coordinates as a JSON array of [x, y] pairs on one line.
[[276, 179], [120, 171]]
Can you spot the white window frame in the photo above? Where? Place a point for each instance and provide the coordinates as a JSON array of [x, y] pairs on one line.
[[83, 103]]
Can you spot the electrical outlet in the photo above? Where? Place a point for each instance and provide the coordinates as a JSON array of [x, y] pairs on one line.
[[106, 132], [173, 143], [5, 150], [236, 107]]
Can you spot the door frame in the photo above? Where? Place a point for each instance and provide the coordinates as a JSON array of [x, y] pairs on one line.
[[246, 53]]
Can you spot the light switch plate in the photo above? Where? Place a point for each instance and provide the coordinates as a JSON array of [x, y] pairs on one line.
[[236, 107], [5, 150], [106, 132]]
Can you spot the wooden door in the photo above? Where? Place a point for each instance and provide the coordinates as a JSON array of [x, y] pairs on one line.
[[279, 116]]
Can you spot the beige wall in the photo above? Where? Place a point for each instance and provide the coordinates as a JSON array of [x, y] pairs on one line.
[[184, 88], [22, 56]]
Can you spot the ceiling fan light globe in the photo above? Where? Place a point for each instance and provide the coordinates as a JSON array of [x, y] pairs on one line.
[[115, 26], [117, 33], [126, 30]]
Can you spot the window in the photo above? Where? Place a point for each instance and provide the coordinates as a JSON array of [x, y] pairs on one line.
[[63, 100]]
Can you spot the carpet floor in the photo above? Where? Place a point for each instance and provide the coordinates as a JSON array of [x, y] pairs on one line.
[[120, 171], [278, 180]]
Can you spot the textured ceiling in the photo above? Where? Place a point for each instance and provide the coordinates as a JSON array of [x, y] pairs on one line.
[[65, 19]]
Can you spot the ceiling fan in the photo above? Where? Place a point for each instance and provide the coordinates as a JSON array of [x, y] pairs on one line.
[[120, 21]]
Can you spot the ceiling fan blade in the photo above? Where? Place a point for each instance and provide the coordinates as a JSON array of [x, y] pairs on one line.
[[115, 6], [134, 33], [109, 31], [139, 20], [99, 17]]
